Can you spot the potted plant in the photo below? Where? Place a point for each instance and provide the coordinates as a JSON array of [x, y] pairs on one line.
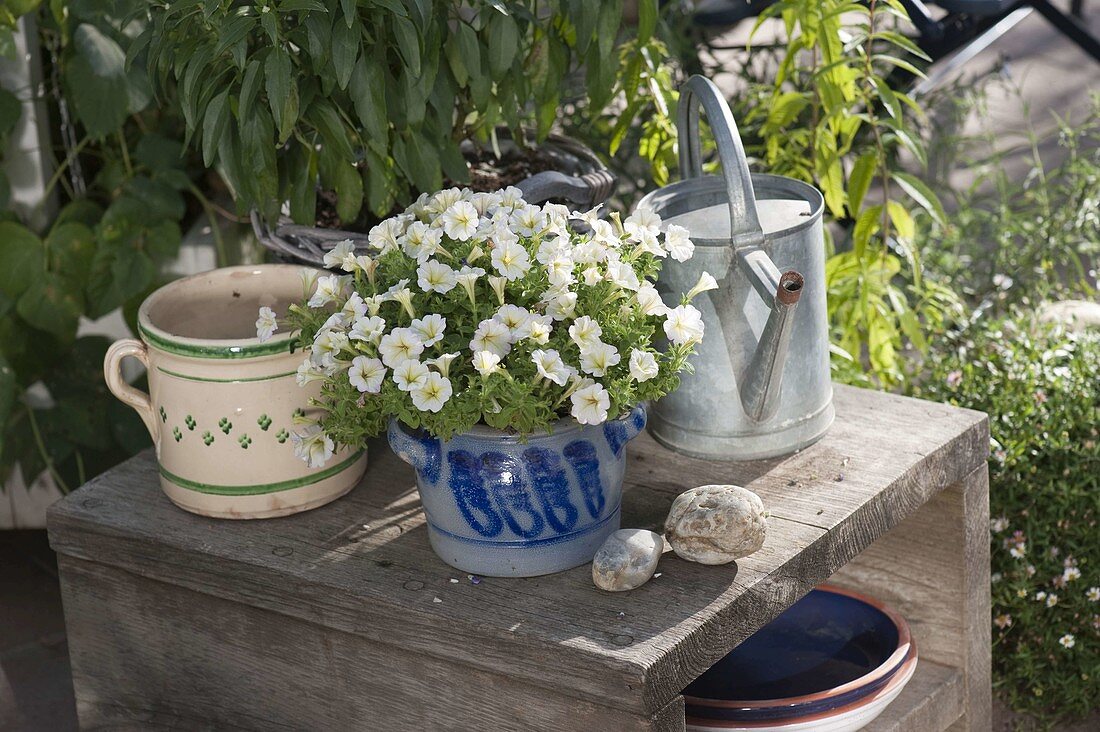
[[340, 113], [508, 356]]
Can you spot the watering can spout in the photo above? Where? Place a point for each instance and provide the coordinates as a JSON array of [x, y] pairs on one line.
[[763, 379]]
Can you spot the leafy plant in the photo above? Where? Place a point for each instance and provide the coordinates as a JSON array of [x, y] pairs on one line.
[[1038, 385], [831, 117], [103, 251], [482, 308], [369, 99]]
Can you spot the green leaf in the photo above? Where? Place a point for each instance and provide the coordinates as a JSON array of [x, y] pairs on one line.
[[348, 8], [97, 81], [9, 391], [213, 126], [863, 171], [922, 195], [368, 94], [503, 42], [71, 247], [22, 258], [408, 43], [277, 84], [349, 192], [328, 122], [158, 152], [889, 100], [647, 20], [902, 220], [250, 86], [345, 49], [51, 304], [303, 185], [10, 110], [118, 273]]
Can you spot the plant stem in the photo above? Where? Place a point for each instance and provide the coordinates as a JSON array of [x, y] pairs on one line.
[[44, 453], [215, 230], [61, 169], [125, 153]]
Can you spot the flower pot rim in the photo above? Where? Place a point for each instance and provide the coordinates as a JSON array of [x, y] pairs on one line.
[[484, 431]]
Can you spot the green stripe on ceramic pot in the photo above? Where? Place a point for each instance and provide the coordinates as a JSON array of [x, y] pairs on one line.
[[210, 380], [220, 352], [260, 489]]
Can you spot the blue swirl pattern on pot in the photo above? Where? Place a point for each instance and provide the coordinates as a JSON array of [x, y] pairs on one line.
[[503, 507]]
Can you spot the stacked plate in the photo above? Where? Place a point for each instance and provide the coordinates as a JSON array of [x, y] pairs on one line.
[[831, 663]]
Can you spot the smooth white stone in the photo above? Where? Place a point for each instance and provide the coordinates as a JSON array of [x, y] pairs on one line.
[[716, 524], [627, 559]]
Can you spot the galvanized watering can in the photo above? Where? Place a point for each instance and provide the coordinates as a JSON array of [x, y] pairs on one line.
[[761, 385]]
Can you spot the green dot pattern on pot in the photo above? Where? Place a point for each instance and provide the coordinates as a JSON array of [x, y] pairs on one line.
[[190, 422], [177, 433], [282, 436], [225, 425], [207, 438], [244, 441], [163, 415], [264, 421]]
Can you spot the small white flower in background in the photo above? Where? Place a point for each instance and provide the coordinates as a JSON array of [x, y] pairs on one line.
[[434, 276], [460, 221], [383, 236], [1002, 281], [1002, 621], [369, 329], [1040, 596], [486, 362], [354, 308], [998, 524], [430, 328], [433, 393], [591, 276], [550, 366], [1030, 569], [590, 404], [399, 345], [366, 374], [329, 288], [511, 260], [1067, 640], [954, 378], [1018, 550], [623, 275], [679, 246], [650, 301], [266, 324], [597, 358], [516, 319], [585, 332], [705, 284], [442, 363], [683, 325], [1069, 574], [996, 577], [313, 446], [643, 365], [342, 255], [327, 346], [1052, 600], [492, 335], [1093, 594], [562, 306], [410, 374], [308, 373]]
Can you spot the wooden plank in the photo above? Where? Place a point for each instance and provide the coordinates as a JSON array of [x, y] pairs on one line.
[[932, 700], [363, 565], [153, 656]]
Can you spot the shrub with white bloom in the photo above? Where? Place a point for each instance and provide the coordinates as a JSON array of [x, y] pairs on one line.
[[266, 324], [479, 308], [366, 374]]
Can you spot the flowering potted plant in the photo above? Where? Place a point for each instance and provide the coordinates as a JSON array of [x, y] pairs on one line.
[[507, 348]]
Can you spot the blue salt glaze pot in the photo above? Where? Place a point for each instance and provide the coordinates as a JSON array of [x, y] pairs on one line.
[[502, 507]]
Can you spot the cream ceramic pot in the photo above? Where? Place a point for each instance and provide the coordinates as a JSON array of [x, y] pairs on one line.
[[221, 405]]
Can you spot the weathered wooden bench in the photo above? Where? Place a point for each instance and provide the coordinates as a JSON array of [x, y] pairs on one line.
[[343, 618]]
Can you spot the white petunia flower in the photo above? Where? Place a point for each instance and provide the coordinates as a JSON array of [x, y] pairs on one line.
[[492, 335], [528, 220], [402, 294], [366, 374], [434, 276], [1093, 594], [511, 197], [329, 289], [591, 276], [679, 246], [590, 216], [327, 346], [516, 319], [433, 393], [560, 271], [430, 328], [486, 362], [336, 321], [410, 374], [684, 325], [399, 345], [368, 265], [539, 328], [460, 221], [443, 200], [598, 357], [590, 404], [585, 332], [342, 255], [266, 324], [650, 301], [706, 283], [623, 275], [354, 308], [1070, 574], [510, 259], [383, 236], [421, 241], [498, 284], [649, 243], [308, 373], [442, 363], [550, 366], [466, 278], [1067, 641], [550, 249], [485, 202], [643, 365], [368, 329], [313, 446], [562, 306], [644, 219]]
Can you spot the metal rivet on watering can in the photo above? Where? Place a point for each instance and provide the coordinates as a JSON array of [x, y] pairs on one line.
[[761, 385]]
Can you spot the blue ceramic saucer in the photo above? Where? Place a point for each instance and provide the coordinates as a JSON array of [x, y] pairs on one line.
[[829, 650]]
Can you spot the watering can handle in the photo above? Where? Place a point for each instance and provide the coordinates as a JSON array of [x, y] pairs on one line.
[[700, 92]]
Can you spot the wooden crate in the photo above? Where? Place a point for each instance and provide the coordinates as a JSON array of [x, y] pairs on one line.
[[343, 618]]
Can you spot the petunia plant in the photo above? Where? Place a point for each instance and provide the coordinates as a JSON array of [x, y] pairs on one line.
[[479, 308]]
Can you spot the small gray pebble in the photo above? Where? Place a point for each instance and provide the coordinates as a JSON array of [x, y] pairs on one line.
[[627, 559]]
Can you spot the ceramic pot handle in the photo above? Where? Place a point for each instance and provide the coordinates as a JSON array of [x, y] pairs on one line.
[[139, 400]]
